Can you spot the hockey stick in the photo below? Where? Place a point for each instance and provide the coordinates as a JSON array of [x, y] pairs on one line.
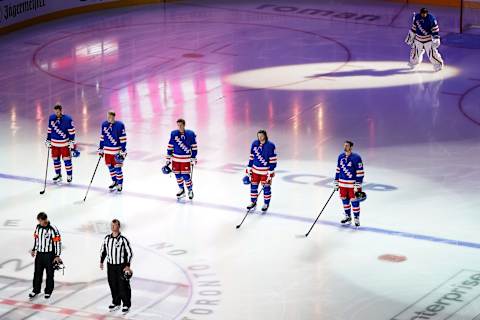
[[315, 222], [248, 211], [46, 173], [93, 176]]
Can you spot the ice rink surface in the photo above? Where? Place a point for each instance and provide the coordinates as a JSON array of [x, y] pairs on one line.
[[311, 73]]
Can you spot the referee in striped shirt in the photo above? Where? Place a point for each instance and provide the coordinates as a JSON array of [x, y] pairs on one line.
[[116, 249], [47, 247]]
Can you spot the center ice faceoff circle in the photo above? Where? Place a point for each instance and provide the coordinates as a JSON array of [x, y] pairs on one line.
[[339, 76]]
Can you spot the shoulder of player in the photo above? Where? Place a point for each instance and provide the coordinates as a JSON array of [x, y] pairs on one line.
[[53, 227], [356, 157], [105, 123], [190, 132], [271, 144], [119, 124]]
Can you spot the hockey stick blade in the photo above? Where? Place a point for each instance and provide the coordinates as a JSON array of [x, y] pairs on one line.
[[46, 173], [248, 211]]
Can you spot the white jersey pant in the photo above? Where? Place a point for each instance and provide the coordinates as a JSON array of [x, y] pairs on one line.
[[419, 48]]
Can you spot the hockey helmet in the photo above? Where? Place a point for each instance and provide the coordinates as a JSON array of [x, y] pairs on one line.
[[58, 265], [75, 153], [360, 196], [119, 158], [127, 275], [246, 180], [166, 169]]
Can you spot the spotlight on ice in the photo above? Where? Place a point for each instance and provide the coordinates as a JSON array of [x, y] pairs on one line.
[[340, 75]]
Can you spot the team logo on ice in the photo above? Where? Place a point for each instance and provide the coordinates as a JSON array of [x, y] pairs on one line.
[[168, 283]]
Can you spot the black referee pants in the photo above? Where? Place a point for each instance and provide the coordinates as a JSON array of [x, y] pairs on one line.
[[119, 287], [43, 261]]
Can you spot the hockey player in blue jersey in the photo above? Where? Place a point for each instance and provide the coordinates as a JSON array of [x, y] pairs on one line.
[[261, 169], [113, 145], [423, 37], [61, 140], [182, 154], [349, 178]]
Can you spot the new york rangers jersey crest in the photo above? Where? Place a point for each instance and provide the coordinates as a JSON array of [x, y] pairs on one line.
[[425, 28], [263, 158], [349, 170], [182, 146], [113, 137], [60, 130]]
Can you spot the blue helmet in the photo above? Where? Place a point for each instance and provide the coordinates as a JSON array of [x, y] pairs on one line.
[[246, 180], [360, 196], [119, 158], [75, 153], [166, 170]]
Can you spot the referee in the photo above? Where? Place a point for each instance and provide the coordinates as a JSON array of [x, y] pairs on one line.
[[47, 247], [116, 249]]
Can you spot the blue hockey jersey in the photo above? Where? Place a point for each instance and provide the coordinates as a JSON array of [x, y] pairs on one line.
[[425, 28], [113, 137], [182, 146], [60, 130], [349, 170], [263, 158]]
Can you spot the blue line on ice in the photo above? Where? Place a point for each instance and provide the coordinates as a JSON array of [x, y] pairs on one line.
[[270, 214]]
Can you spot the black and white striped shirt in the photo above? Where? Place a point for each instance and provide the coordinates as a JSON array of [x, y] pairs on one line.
[[117, 250], [47, 239]]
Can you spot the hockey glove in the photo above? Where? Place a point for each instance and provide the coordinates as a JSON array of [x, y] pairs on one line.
[[357, 186], [123, 154], [100, 152], [436, 43], [410, 38], [48, 143], [248, 172], [271, 174], [335, 185]]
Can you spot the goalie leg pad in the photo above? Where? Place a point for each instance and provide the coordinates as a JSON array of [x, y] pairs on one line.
[[416, 54], [433, 55]]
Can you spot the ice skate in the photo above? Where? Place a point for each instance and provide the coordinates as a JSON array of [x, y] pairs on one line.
[[347, 220], [265, 208], [57, 178], [181, 194], [357, 222]]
